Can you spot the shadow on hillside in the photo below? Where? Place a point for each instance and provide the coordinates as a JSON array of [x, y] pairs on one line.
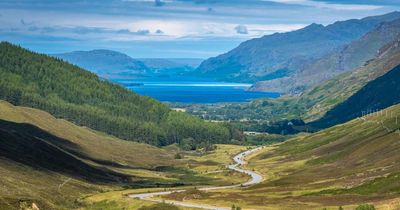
[[376, 95], [34, 147]]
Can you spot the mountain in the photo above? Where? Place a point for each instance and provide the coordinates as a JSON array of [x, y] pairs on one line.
[[336, 90], [69, 92], [113, 64], [342, 60], [105, 62], [170, 63], [171, 66], [282, 55], [374, 96], [313, 103]]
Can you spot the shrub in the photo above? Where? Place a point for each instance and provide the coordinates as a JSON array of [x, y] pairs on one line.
[[159, 206], [365, 207]]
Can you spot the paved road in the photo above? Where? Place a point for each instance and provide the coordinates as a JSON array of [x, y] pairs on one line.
[[239, 161]]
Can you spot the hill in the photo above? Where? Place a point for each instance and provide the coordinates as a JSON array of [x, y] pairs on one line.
[[105, 62], [69, 92], [346, 165], [283, 55], [112, 64], [336, 90], [374, 96], [52, 162], [56, 164], [171, 66]]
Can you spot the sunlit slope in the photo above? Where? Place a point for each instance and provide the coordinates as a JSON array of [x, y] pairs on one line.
[[358, 161], [92, 143], [334, 91], [52, 162], [346, 165], [375, 95]]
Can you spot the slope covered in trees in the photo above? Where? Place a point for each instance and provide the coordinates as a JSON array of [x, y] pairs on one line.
[[69, 92]]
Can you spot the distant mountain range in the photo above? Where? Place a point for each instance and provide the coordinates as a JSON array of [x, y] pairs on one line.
[[293, 61], [105, 62], [347, 58], [108, 63]]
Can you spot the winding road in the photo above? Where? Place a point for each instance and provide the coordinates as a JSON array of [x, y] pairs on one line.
[[238, 162]]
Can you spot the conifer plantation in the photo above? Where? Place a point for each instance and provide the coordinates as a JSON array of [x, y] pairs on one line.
[[69, 92]]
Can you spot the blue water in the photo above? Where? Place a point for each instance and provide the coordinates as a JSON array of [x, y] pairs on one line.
[[193, 90]]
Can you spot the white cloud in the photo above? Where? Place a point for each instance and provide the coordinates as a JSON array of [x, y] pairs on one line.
[[325, 5]]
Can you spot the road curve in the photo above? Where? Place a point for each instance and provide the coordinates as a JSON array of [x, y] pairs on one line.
[[238, 162]]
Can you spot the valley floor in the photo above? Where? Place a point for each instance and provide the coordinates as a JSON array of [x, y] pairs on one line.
[[346, 166]]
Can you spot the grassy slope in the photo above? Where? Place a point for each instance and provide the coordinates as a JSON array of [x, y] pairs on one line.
[[92, 143], [332, 92], [35, 173], [210, 165], [56, 142], [349, 164], [375, 95]]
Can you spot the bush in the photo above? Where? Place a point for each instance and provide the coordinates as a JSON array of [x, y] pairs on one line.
[[365, 207], [159, 206], [178, 156]]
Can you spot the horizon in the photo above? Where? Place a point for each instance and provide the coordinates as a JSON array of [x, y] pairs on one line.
[[167, 29]]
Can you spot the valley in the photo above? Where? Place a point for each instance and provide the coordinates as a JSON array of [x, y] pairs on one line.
[[92, 162], [342, 166], [185, 105]]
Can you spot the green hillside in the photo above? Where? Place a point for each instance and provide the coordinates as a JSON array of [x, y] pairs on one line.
[[55, 163], [52, 162], [66, 91], [346, 165], [375, 95]]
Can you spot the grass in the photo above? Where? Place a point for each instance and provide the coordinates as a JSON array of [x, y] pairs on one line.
[[23, 184], [147, 166], [346, 165], [214, 164], [92, 143], [205, 165]]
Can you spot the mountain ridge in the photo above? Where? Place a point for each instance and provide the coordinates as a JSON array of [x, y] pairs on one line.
[[349, 58], [103, 62], [290, 52]]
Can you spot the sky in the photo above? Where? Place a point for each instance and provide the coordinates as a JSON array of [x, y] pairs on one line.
[[167, 28]]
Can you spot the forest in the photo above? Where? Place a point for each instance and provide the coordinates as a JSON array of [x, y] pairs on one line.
[[69, 92]]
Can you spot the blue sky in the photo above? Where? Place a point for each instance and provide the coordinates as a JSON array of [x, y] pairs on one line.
[[167, 28]]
